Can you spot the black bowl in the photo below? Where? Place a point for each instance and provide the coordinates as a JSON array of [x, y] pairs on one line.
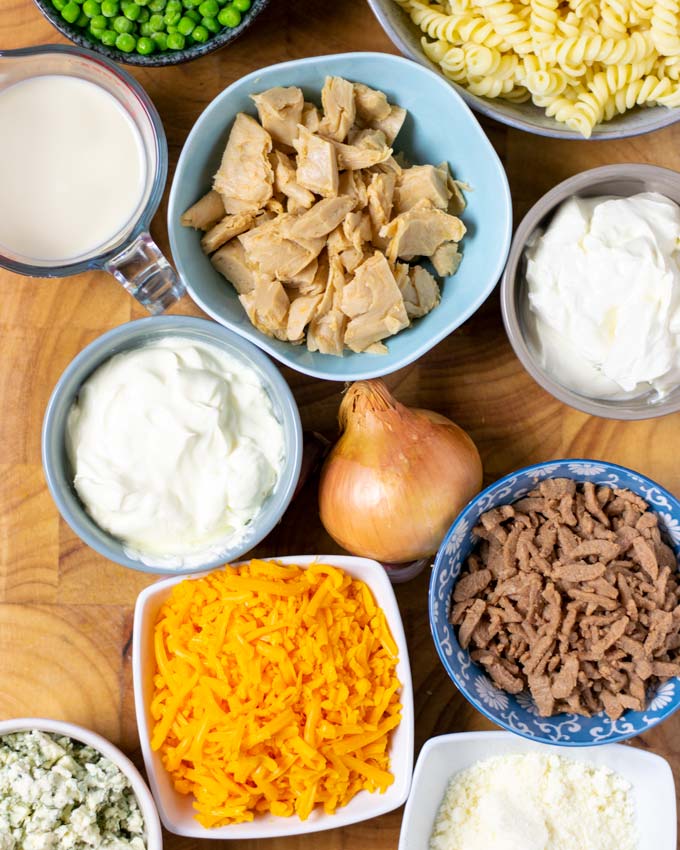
[[153, 60]]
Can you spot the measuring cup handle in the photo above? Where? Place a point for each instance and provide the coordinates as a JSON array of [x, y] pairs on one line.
[[144, 272]]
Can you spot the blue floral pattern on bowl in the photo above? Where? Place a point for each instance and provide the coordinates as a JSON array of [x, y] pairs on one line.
[[518, 713]]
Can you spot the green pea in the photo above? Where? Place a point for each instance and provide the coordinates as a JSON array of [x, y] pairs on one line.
[[145, 46], [156, 6], [229, 17], [92, 8], [173, 6], [161, 40], [95, 32], [170, 29], [82, 20], [59, 4], [98, 22], [193, 15], [191, 4], [109, 8], [156, 23], [172, 18], [200, 35], [185, 26], [141, 2], [241, 5], [131, 11], [122, 25], [211, 24], [108, 37], [146, 30], [209, 8], [126, 42], [71, 12], [176, 41]]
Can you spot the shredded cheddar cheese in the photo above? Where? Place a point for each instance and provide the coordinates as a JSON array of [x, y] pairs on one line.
[[275, 691]]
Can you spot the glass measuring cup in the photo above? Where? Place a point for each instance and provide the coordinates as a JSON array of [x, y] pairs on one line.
[[130, 255]]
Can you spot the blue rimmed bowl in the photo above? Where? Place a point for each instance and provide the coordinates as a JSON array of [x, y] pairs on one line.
[[440, 127], [518, 713], [131, 335]]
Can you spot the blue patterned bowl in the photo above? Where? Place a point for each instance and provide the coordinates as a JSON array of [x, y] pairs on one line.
[[518, 713]]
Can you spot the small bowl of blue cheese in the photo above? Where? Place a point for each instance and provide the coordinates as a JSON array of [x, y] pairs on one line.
[[63, 787]]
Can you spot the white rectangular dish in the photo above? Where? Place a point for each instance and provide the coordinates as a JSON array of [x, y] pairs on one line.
[[176, 810], [650, 776]]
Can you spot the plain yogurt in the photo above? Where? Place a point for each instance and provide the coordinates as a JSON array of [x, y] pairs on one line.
[[175, 448], [604, 296]]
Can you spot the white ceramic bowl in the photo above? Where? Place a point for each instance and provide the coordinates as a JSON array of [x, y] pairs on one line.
[[154, 838], [176, 810], [650, 776]]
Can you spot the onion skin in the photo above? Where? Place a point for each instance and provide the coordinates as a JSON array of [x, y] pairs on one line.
[[397, 477]]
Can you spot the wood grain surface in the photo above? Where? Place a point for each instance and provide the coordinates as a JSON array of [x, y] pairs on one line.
[[66, 613]]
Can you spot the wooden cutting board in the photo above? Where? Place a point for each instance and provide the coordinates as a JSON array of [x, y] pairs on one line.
[[66, 613]]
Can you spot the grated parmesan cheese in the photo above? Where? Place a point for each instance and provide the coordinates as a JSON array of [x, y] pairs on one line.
[[535, 801]]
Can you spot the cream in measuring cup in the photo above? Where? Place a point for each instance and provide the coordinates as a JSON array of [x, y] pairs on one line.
[[72, 167], [83, 162]]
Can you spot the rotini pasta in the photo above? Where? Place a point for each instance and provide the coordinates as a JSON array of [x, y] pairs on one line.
[[583, 61]]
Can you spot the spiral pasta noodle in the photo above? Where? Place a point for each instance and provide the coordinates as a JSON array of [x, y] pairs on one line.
[[582, 61]]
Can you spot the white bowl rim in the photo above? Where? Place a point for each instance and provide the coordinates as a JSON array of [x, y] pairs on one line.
[[289, 825], [260, 340], [485, 106], [154, 837]]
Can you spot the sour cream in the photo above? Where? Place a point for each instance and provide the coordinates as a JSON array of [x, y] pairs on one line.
[[604, 296], [175, 448], [72, 168]]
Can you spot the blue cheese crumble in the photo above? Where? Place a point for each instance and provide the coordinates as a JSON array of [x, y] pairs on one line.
[[59, 794]]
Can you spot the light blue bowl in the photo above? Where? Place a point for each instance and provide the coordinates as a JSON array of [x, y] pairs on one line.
[[440, 127], [518, 713], [132, 335]]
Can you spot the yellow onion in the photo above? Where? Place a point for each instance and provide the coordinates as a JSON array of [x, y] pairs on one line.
[[397, 477]]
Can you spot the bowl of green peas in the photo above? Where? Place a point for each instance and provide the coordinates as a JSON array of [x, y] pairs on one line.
[[151, 32]]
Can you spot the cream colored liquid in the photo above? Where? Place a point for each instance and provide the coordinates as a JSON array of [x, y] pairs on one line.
[[72, 168]]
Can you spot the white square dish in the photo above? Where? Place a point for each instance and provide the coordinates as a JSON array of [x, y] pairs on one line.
[[176, 810], [650, 776]]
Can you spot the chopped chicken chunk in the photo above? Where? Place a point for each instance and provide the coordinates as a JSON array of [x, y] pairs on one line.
[[420, 231], [285, 183], [300, 315], [245, 176], [205, 213], [337, 98], [374, 304], [380, 195], [323, 217], [351, 184], [230, 261], [422, 182], [305, 277], [371, 105], [267, 307], [273, 254], [311, 117], [368, 148], [425, 293], [446, 259], [391, 125], [223, 231], [317, 168], [280, 111], [327, 328]]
